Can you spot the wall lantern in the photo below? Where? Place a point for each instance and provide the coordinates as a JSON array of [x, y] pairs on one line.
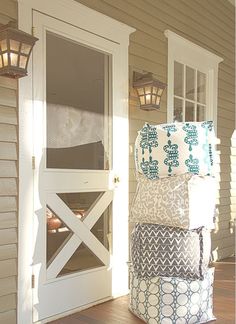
[[149, 90], [15, 49]]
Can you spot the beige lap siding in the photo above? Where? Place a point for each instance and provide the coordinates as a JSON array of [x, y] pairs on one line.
[[8, 185], [210, 24]]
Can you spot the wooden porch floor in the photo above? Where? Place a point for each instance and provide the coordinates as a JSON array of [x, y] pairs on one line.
[[116, 311]]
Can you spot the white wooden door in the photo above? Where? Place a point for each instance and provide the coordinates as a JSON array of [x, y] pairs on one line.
[[76, 124]]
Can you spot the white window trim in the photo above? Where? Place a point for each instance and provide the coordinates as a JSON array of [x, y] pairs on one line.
[[186, 52]]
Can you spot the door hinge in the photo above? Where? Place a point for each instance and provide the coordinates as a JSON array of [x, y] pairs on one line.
[[33, 281], [33, 31], [33, 162]]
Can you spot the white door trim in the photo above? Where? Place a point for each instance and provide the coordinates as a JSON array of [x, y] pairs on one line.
[[78, 15]]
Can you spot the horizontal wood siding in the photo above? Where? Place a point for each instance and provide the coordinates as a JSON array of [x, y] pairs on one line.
[[209, 24], [8, 185]]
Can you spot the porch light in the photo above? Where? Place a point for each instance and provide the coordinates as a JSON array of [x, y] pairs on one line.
[[15, 49], [149, 90]]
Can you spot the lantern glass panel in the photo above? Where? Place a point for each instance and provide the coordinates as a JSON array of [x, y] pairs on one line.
[[148, 90], [1, 64], [3, 45], [5, 59], [148, 99], [14, 45], [23, 61], [158, 100], [142, 100], [25, 48], [154, 90], [159, 93], [153, 99], [14, 59], [140, 91]]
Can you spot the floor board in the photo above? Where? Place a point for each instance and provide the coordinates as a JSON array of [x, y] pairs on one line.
[[116, 311]]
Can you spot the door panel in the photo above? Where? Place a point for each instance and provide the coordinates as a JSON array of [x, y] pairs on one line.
[[73, 188], [81, 230]]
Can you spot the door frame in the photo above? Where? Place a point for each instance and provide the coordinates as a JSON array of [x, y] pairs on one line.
[[80, 16]]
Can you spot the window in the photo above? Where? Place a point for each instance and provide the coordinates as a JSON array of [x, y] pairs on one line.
[[192, 81], [189, 93]]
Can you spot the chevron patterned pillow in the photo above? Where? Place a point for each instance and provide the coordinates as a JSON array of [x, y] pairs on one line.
[[186, 201], [169, 149], [158, 250], [162, 300]]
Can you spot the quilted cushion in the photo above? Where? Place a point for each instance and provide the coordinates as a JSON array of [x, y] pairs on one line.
[[162, 300], [170, 149], [158, 250], [186, 201]]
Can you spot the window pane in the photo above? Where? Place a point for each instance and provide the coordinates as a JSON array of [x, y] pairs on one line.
[[178, 79], [82, 259], [58, 233], [77, 109], [190, 83], [80, 202], [178, 110], [201, 87], [189, 111], [201, 113]]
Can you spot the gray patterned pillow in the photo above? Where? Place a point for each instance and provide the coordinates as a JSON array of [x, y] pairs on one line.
[[177, 148], [174, 201], [158, 250], [162, 300]]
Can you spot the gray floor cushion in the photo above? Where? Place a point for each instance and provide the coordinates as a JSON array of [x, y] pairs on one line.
[[158, 250], [162, 300], [174, 201]]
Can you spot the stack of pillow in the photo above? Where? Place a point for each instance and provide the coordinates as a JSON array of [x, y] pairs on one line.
[[173, 211]]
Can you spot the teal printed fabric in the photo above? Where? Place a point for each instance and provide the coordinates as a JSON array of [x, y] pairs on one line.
[[171, 300], [171, 149], [149, 138], [172, 153]]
